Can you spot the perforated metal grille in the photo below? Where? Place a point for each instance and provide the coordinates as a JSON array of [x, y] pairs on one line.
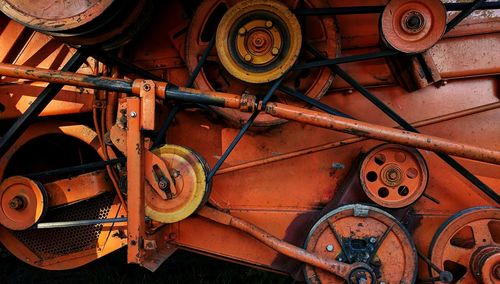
[[51, 243]]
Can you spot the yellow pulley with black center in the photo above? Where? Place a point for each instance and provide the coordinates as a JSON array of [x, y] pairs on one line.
[[188, 170]]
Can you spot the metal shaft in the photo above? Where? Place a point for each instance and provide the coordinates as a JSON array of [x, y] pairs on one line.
[[422, 141]]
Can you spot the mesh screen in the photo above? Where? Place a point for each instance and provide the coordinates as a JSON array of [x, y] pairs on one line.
[[52, 243]]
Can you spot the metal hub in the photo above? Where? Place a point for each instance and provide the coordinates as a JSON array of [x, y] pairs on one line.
[[467, 245], [188, 171], [485, 264], [413, 22], [393, 176], [362, 234], [258, 41], [413, 26]]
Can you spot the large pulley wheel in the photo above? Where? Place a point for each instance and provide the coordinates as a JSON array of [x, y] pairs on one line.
[[468, 246], [413, 26], [393, 176], [360, 233], [23, 202], [256, 42], [188, 171]]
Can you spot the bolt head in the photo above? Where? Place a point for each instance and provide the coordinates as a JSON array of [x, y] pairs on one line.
[[269, 24], [373, 240], [16, 203], [248, 58], [329, 248], [275, 51], [242, 31], [133, 114]]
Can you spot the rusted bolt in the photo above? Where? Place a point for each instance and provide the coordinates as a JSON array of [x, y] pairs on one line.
[[248, 58], [133, 114], [413, 22], [163, 184], [258, 42], [329, 248], [242, 31], [393, 175], [275, 51], [269, 24], [146, 87], [16, 203]]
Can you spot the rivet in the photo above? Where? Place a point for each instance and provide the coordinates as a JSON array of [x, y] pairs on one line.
[[133, 114], [269, 24], [242, 31], [329, 248], [275, 51], [248, 57]]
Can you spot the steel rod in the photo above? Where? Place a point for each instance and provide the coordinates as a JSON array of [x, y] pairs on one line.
[[348, 141], [282, 111], [79, 223], [66, 78], [328, 264], [383, 133]]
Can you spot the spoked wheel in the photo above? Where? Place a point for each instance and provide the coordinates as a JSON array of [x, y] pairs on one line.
[[363, 234], [393, 176], [468, 246], [258, 44]]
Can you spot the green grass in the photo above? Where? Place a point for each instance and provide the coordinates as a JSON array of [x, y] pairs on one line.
[[182, 267]]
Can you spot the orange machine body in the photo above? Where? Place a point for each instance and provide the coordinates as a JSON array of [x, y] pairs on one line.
[[293, 166]]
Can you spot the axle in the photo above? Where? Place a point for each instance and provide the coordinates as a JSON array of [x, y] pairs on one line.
[[249, 103]]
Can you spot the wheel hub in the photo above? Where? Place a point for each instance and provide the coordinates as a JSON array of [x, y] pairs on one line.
[[188, 171], [258, 41], [467, 246], [362, 234], [393, 176], [23, 203], [485, 264], [412, 26]]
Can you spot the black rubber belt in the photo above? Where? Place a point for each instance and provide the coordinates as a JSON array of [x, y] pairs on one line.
[[407, 126], [45, 97]]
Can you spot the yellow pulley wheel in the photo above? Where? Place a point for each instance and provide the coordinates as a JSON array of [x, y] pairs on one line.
[[188, 170], [258, 40]]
